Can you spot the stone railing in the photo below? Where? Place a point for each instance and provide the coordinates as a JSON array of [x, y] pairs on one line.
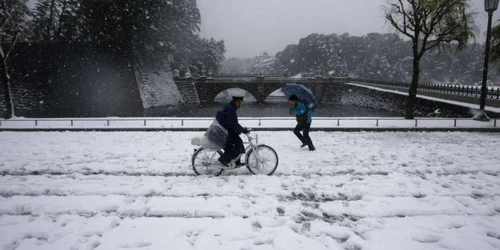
[[464, 90]]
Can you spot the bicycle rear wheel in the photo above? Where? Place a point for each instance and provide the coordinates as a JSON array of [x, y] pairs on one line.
[[203, 161], [264, 160]]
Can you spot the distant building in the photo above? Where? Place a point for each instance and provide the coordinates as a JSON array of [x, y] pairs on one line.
[[263, 62]]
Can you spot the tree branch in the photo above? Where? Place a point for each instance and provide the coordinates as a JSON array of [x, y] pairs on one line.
[[441, 38], [437, 18], [426, 12], [395, 25], [440, 13], [399, 10], [1, 49], [5, 21], [405, 16], [416, 19], [414, 5], [427, 31], [14, 40], [60, 22]]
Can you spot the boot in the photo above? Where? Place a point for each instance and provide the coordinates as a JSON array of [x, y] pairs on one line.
[[237, 161], [238, 164], [227, 165]]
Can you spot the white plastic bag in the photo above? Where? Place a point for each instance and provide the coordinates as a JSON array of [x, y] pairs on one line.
[[215, 137]]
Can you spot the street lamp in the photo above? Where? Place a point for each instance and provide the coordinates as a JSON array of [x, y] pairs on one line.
[[489, 6]]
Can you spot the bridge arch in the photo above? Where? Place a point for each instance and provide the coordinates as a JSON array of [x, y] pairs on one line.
[[226, 95], [260, 87], [209, 91], [275, 96]]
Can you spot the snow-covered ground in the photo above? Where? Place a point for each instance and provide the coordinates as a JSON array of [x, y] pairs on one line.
[[136, 190]]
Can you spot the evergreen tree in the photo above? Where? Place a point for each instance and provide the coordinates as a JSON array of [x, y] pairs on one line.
[[13, 14], [45, 18], [155, 27]]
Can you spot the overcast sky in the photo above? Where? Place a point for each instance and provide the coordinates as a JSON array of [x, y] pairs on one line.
[[250, 27]]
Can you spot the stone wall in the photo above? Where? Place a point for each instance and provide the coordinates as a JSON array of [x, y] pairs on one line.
[[155, 80], [366, 97], [72, 80], [86, 80], [189, 93]]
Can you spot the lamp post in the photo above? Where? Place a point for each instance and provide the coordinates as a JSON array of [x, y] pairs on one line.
[[489, 6]]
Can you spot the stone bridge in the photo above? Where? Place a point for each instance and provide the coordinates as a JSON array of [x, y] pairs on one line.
[[207, 88]]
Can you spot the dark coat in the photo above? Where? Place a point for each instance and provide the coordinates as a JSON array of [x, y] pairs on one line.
[[227, 118]]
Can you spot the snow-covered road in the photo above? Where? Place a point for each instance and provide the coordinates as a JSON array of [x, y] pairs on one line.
[[136, 190]]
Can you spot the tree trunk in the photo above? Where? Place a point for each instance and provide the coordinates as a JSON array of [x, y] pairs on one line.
[[50, 21], [4, 77], [412, 94]]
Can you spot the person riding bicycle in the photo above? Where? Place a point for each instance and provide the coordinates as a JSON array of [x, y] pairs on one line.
[[227, 118]]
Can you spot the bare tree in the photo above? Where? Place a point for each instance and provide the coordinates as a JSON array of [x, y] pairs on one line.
[[430, 24], [12, 21]]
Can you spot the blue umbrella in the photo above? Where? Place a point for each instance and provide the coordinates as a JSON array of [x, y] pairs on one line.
[[302, 92]]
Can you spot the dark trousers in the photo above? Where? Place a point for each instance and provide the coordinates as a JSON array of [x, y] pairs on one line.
[[305, 139], [232, 148]]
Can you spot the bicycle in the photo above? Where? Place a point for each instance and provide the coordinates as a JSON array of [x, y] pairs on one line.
[[259, 159]]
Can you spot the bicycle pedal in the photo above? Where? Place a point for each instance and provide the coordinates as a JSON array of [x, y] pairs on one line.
[[225, 167], [239, 165], [228, 167]]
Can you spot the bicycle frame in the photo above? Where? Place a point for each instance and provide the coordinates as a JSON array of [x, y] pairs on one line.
[[253, 146], [250, 141]]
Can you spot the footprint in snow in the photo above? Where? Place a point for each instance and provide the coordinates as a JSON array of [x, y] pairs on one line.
[[428, 238], [256, 226], [280, 210], [136, 245], [495, 235]]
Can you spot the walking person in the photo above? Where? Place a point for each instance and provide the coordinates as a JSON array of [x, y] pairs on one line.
[[303, 116]]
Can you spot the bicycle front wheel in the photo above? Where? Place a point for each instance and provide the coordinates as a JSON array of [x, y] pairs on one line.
[[264, 160], [203, 161]]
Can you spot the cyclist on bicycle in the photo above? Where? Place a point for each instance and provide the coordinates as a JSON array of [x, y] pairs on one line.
[[227, 118]]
